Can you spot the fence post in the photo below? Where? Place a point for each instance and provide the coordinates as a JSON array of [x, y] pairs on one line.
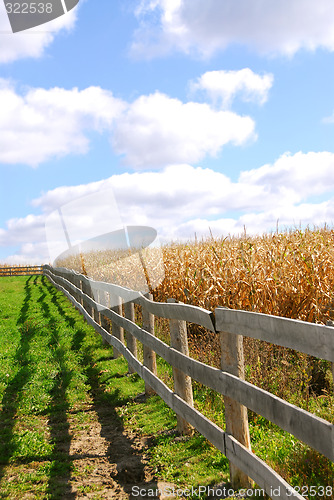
[[83, 289], [117, 331], [182, 382], [97, 295], [79, 285], [131, 341], [87, 291], [76, 281], [150, 359], [104, 300], [236, 416]]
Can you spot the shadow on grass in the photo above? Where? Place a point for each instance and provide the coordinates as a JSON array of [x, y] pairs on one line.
[[30, 328], [121, 451], [26, 302], [41, 300], [61, 465], [51, 290]]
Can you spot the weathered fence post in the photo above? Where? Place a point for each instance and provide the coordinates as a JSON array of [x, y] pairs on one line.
[[74, 281], [150, 359], [236, 416], [117, 331], [182, 382], [81, 302], [87, 291], [104, 300], [97, 296], [77, 282], [131, 341]]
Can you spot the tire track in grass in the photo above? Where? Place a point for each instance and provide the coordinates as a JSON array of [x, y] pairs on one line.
[[36, 320], [113, 459], [62, 396], [61, 466]]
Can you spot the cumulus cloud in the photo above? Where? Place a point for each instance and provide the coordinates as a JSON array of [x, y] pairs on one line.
[[151, 132], [157, 130], [52, 200], [29, 254], [269, 27], [181, 189], [182, 200], [41, 124], [19, 229], [223, 86], [33, 42], [301, 174]]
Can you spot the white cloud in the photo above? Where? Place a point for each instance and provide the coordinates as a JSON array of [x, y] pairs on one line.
[[271, 27], [153, 131], [301, 174], [33, 42], [29, 254], [57, 197], [20, 229], [182, 200], [41, 124], [181, 191], [223, 86], [157, 130]]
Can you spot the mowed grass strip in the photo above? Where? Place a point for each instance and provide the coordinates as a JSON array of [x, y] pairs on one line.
[[53, 370]]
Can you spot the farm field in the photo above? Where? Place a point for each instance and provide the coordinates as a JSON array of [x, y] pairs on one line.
[[10, 270], [288, 274]]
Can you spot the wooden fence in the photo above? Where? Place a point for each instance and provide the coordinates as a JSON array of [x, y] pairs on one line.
[[21, 270], [231, 325]]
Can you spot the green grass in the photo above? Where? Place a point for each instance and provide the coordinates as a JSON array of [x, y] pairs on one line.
[[53, 367]]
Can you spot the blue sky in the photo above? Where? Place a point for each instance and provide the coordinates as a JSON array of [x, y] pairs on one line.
[[198, 115]]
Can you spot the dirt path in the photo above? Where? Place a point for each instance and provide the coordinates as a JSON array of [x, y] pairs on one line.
[[101, 461], [107, 461]]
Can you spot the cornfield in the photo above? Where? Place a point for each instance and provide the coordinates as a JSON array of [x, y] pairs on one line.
[[13, 270], [288, 274]]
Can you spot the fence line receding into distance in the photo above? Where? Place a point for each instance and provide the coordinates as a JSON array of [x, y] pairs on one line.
[[231, 325]]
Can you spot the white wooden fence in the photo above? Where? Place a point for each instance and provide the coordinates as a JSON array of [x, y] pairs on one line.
[[231, 325]]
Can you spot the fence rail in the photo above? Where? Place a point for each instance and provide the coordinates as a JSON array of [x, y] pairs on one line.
[[21, 270], [238, 394]]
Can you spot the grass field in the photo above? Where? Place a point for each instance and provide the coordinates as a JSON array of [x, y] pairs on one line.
[[56, 384], [65, 430], [62, 397]]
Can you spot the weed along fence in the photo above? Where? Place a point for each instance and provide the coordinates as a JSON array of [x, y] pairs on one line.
[[21, 270], [231, 325]]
